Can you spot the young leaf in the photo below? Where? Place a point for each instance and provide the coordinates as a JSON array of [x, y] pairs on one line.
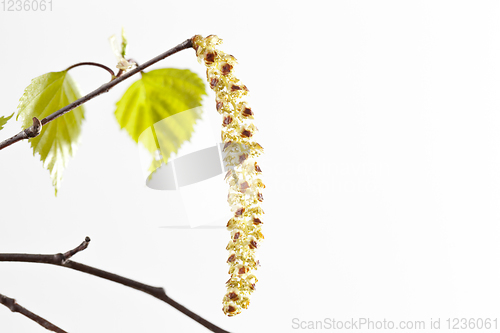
[[124, 43], [4, 120], [58, 139], [157, 95]]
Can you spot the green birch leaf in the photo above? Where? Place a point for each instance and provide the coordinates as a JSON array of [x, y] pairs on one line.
[[160, 94], [4, 120], [58, 140]]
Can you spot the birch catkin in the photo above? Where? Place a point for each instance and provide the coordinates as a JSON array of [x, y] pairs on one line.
[[244, 175]]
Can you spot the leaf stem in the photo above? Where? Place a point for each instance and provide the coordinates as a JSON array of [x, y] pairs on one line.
[[102, 89], [110, 71]]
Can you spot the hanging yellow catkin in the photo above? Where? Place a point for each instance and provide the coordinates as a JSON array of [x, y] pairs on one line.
[[244, 175]]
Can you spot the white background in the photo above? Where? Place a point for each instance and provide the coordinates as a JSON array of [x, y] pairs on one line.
[[381, 125]]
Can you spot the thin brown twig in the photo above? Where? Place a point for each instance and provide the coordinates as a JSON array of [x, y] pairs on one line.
[[27, 133], [61, 260], [77, 249], [87, 63], [14, 307]]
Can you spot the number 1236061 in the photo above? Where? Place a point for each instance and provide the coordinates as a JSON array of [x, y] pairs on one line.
[[26, 5]]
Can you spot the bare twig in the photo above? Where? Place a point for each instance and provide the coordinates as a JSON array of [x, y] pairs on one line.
[[14, 307], [77, 249], [62, 260], [102, 89]]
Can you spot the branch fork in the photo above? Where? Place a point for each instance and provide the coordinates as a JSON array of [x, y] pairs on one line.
[[63, 259]]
